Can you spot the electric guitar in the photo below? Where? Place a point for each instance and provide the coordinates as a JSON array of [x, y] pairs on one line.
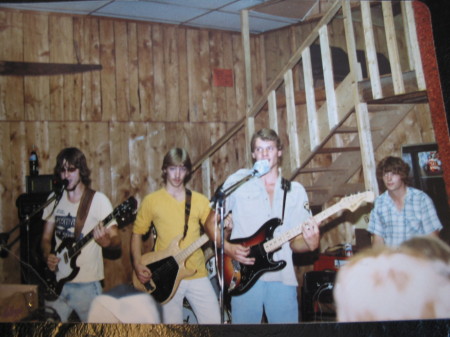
[[168, 269], [69, 250], [240, 277]]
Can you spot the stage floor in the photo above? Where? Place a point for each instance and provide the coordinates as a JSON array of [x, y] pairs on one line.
[[435, 328]]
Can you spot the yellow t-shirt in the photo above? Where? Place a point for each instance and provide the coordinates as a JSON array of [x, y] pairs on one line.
[[168, 216]]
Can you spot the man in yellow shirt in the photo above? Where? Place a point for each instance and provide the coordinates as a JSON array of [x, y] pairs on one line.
[[168, 209]]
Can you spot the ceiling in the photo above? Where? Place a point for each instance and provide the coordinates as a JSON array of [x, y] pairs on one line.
[[265, 15]]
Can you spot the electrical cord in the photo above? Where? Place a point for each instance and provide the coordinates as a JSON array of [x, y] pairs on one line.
[[35, 272], [316, 297]]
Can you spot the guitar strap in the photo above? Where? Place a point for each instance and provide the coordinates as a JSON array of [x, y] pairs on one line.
[[187, 209], [286, 186], [83, 210]]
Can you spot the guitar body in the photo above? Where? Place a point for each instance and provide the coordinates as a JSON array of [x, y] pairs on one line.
[[240, 277], [66, 270], [167, 273]]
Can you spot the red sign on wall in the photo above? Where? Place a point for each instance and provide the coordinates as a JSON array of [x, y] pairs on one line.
[[222, 77]]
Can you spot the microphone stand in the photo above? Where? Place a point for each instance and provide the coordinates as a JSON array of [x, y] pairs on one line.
[[4, 237], [218, 199]]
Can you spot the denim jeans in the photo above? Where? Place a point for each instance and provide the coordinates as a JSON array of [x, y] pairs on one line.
[[279, 302], [75, 296]]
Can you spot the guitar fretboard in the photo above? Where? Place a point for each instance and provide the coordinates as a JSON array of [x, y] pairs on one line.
[[88, 237], [185, 253], [348, 202]]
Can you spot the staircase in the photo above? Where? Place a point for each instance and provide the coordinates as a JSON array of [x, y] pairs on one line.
[[332, 132]]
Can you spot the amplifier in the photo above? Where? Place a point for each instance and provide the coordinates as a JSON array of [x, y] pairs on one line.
[[317, 302], [40, 183], [319, 281]]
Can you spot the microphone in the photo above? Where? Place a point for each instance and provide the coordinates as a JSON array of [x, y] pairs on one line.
[[59, 187], [260, 168]]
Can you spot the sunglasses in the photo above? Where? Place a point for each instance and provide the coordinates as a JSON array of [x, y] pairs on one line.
[[69, 169]]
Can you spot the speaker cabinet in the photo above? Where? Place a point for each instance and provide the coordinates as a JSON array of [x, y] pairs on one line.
[[317, 303], [40, 184], [32, 266]]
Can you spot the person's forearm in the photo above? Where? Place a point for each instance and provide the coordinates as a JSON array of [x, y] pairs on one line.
[[136, 248]]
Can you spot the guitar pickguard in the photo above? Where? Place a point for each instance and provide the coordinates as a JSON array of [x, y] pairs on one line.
[[161, 287]]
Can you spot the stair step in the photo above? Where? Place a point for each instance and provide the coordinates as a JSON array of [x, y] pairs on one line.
[[339, 149], [318, 169]]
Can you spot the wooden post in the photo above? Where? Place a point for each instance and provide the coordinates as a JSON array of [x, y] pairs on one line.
[[371, 53], [362, 113], [310, 100], [291, 120]]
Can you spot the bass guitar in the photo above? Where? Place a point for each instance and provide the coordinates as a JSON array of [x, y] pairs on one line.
[[240, 277], [168, 269], [69, 250]]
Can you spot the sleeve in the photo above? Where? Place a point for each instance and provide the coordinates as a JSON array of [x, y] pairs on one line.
[[143, 217], [205, 208], [375, 226], [105, 207], [48, 214], [430, 218]]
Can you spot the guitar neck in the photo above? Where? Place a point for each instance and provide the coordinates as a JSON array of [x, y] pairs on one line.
[[88, 237], [188, 251], [276, 243]]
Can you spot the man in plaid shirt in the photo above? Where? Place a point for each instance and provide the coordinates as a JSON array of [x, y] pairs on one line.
[[401, 212]]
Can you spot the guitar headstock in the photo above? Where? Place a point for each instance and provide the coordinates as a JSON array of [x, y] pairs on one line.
[[352, 202], [125, 213]]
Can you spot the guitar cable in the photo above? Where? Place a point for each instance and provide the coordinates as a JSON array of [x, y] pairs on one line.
[[35, 272], [316, 297]]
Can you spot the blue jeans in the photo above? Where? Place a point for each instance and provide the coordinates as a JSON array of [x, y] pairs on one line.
[[75, 296], [279, 302]]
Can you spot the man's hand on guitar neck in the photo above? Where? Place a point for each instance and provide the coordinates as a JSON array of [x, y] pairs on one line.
[[310, 238], [107, 237]]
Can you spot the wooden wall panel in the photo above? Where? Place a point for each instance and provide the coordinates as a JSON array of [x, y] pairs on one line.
[[122, 71], [183, 76], [8, 265], [159, 80], [11, 87], [108, 79], [36, 49], [171, 69], [6, 192], [231, 109], [62, 87], [133, 71], [87, 50], [216, 60], [239, 79], [145, 58]]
